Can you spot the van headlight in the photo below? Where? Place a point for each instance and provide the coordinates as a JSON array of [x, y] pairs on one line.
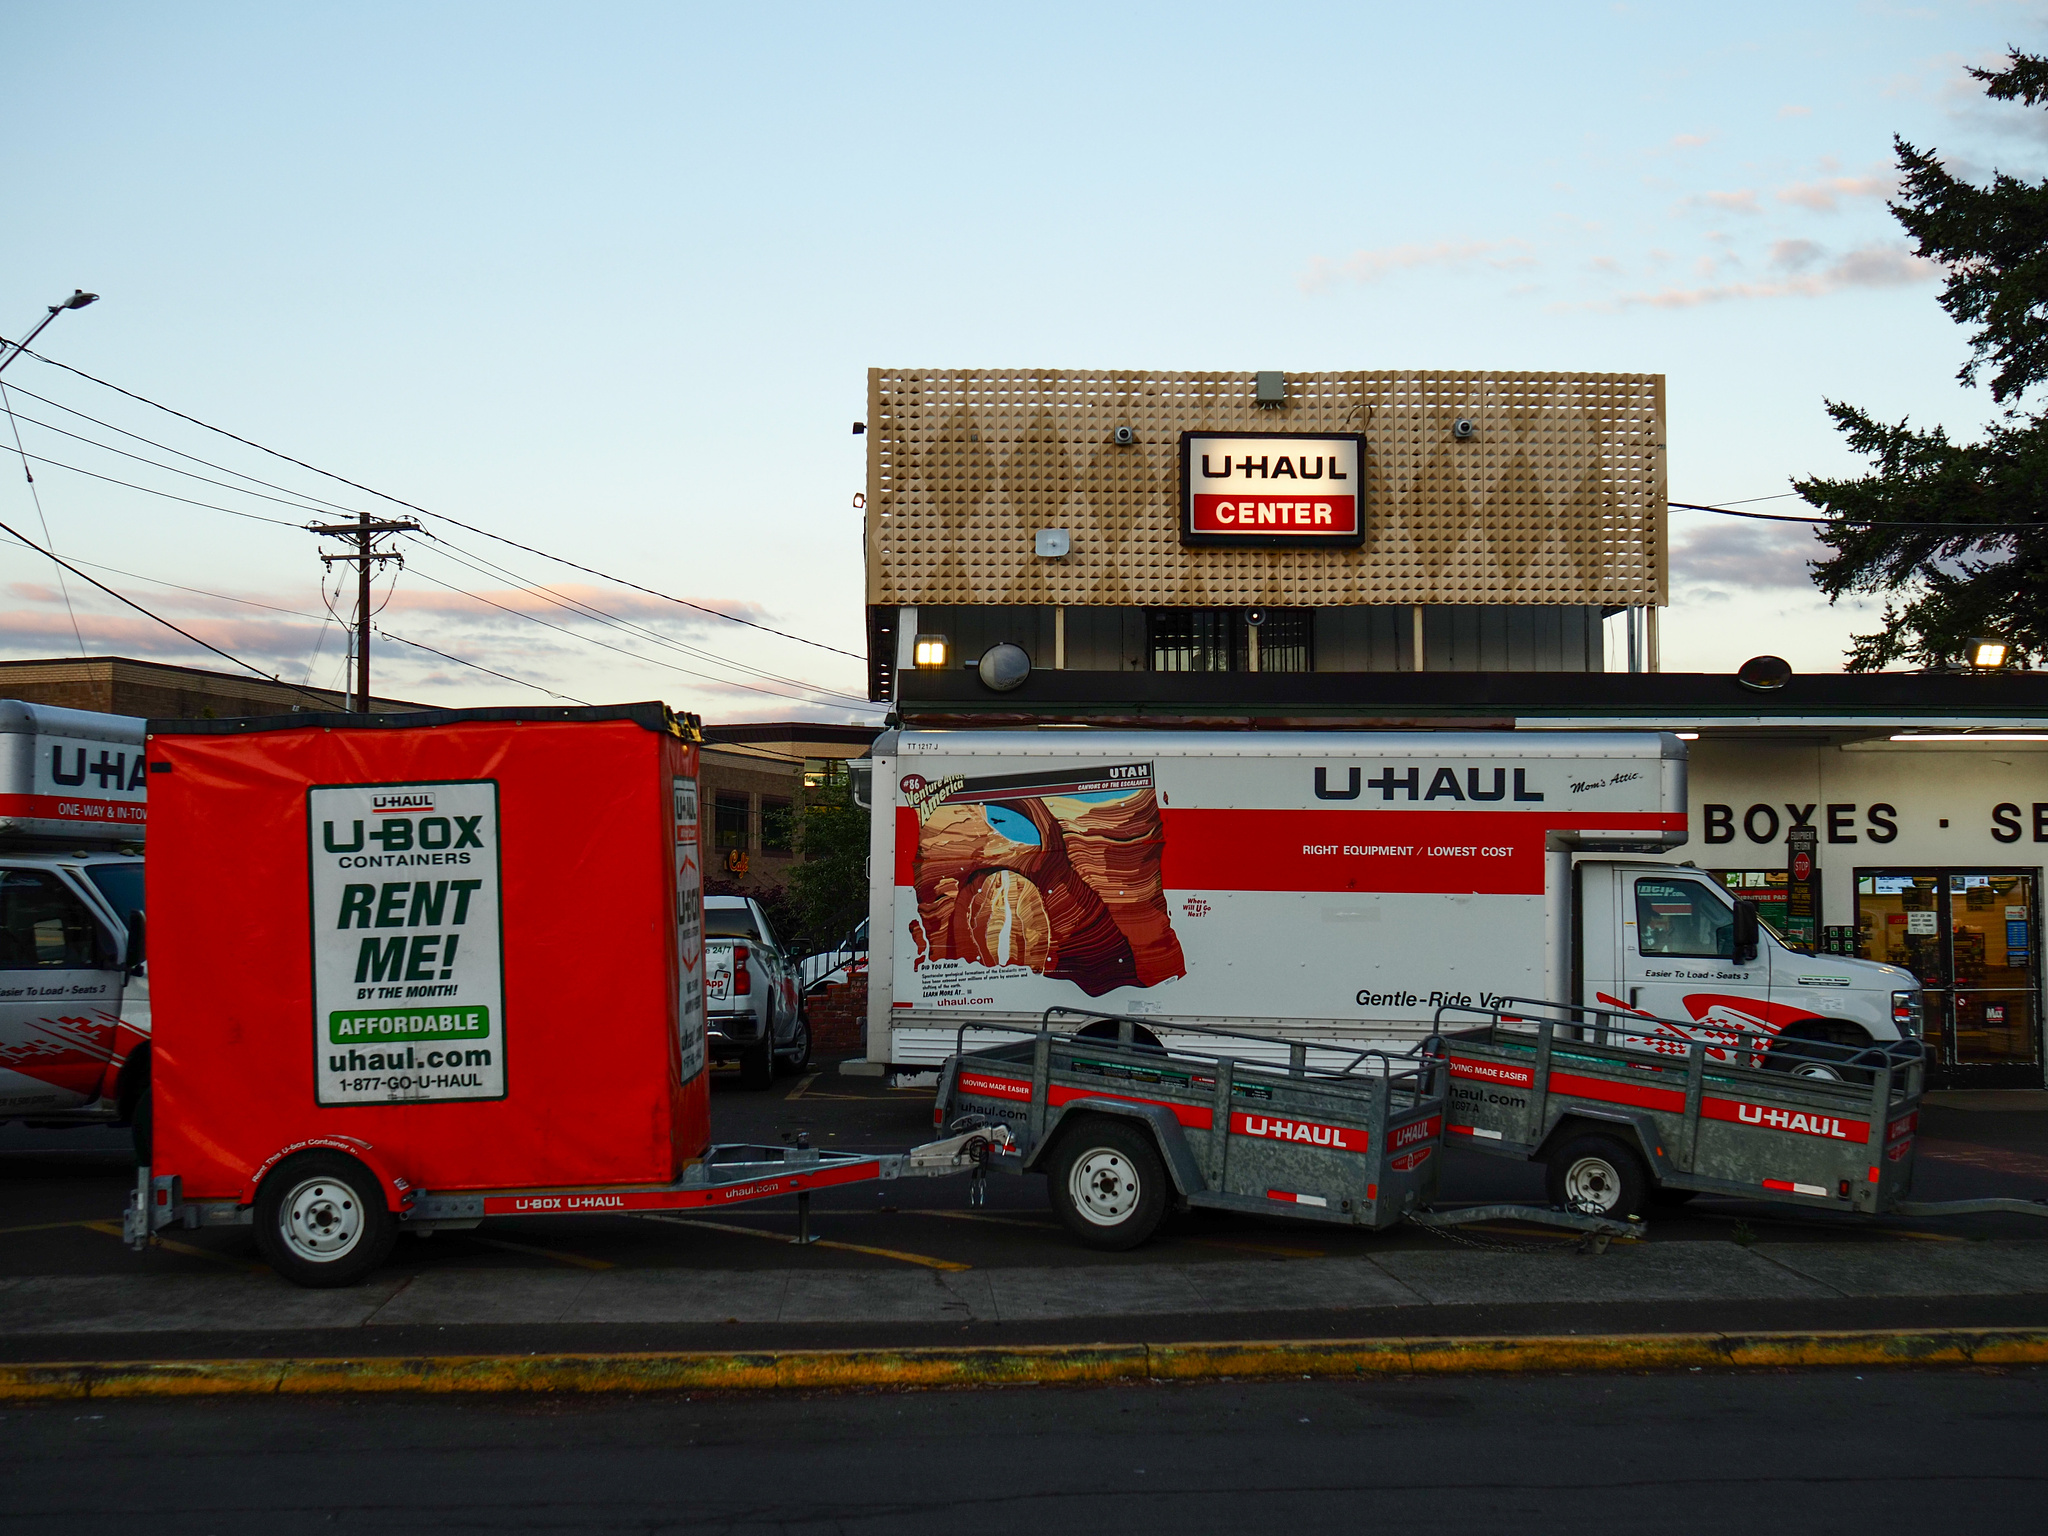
[[1908, 1014]]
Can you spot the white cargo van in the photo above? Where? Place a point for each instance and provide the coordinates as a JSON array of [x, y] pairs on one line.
[[1331, 886], [74, 1000]]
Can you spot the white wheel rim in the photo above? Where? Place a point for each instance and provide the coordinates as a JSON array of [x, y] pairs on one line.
[[321, 1219], [1104, 1186], [1815, 1069], [1593, 1181]]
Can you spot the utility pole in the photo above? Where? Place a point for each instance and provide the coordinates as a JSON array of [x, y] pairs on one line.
[[364, 531]]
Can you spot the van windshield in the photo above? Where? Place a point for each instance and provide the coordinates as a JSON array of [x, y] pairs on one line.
[[121, 884], [730, 923]]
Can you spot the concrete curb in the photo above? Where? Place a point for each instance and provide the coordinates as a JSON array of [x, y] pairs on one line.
[[815, 1370]]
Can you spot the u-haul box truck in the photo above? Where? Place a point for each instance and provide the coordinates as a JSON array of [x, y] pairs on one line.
[[1331, 886], [74, 1004]]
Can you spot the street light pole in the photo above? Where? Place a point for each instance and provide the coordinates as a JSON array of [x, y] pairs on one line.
[[78, 300], [364, 532]]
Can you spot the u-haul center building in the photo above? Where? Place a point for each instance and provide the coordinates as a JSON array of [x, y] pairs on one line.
[[1052, 549]]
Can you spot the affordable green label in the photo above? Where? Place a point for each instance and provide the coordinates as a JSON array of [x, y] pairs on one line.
[[353, 1026]]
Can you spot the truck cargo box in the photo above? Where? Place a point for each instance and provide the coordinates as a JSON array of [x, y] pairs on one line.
[[70, 776], [1336, 886], [463, 946]]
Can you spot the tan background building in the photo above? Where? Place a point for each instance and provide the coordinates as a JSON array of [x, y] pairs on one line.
[[1505, 515]]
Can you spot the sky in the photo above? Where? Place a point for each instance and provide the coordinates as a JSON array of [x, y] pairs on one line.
[[605, 280]]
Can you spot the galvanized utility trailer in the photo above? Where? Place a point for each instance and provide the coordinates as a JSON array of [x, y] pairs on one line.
[[1626, 1110], [1125, 1128]]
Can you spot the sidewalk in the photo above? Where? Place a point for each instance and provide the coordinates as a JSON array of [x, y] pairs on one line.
[[1414, 1283]]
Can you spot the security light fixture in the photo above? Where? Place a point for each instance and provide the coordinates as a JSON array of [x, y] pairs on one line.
[[859, 427], [1987, 654], [929, 650], [1053, 543], [1269, 388]]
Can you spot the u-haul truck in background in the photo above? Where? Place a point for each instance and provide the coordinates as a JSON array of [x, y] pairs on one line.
[[1338, 887], [74, 1001]]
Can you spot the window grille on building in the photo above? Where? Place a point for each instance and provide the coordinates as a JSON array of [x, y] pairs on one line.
[[1220, 640]]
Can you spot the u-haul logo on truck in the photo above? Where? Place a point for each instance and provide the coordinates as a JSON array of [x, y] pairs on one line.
[[1308, 1133], [398, 805]]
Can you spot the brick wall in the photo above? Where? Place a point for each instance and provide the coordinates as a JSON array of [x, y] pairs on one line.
[[839, 1018]]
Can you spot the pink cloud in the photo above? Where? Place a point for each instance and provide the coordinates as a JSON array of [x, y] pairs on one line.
[[1823, 195], [1869, 267]]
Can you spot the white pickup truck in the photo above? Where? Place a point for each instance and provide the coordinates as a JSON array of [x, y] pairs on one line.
[[74, 994], [751, 1003]]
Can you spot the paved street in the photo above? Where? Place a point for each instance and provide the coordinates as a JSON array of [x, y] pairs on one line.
[[908, 1262], [1693, 1452]]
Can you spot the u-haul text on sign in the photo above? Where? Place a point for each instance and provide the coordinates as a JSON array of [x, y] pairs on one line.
[[408, 958], [1272, 488]]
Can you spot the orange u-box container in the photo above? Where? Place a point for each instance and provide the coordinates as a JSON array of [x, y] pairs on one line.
[[420, 969]]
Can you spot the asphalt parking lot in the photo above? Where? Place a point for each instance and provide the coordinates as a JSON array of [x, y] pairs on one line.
[[61, 1195]]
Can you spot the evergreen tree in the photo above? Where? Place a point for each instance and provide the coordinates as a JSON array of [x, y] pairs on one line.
[[1986, 571]]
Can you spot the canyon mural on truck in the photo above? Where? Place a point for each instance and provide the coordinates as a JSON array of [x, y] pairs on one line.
[[1057, 872]]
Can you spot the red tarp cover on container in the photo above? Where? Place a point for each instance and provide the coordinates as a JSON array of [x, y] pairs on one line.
[[461, 943]]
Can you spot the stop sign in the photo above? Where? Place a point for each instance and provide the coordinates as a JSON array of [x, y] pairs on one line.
[[1802, 866]]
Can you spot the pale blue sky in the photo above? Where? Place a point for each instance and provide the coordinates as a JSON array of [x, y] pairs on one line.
[[608, 278]]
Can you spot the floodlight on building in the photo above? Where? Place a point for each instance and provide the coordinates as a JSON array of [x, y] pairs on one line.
[[930, 650], [1987, 653]]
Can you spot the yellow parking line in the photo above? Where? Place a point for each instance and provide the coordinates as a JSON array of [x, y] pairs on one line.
[[776, 1237], [44, 1226], [171, 1244], [546, 1253], [802, 1085]]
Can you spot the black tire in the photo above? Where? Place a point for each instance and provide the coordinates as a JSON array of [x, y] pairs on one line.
[[1823, 1060], [142, 1124], [1599, 1171], [757, 1061], [321, 1220], [1109, 1184], [797, 1056]]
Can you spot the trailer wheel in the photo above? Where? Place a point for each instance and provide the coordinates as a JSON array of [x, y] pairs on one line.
[[1108, 1183], [321, 1220], [1600, 1174]]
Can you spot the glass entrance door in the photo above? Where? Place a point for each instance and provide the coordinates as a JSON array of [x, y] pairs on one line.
[[1971, 938]]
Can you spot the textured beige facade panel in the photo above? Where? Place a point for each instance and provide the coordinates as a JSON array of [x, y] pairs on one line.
[[1558, 497]]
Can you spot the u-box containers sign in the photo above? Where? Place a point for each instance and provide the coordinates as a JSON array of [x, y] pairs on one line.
[[1272, 488]]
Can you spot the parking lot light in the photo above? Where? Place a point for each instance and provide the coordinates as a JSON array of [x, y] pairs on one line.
[[1987, 653]]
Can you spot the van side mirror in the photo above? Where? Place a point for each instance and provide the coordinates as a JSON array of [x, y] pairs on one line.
[[137, 952], [1746, 933]]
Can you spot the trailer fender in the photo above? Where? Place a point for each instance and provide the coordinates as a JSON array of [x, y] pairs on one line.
[[1635, 1130], [399, 1192], [1166, 1133]]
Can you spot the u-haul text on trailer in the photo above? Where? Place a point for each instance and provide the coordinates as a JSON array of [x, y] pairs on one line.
[[408, 979], [1349, 884]]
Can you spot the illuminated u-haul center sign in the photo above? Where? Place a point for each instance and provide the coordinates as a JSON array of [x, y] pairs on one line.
[[1271, 488]]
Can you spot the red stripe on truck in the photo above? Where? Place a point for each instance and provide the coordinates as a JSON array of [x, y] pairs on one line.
[[570, 1202]]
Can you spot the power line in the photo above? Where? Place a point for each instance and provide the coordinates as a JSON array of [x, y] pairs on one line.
[[479, 666], [1861, 524], [593, 640], [302, 506], [153, 491], [159, 618], [72, 410], [35, 494], [484, 566], [444, 517]]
